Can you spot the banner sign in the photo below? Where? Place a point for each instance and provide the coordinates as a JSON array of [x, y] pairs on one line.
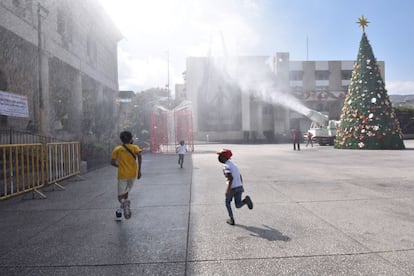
[[13, 105]]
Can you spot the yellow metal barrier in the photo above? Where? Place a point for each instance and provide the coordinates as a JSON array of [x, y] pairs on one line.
[[63, 161], [22, 169], [29, 167]]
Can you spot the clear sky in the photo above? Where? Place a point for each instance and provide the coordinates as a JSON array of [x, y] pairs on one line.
[[160, 34]]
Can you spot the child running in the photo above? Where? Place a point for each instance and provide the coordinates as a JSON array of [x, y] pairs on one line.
[[181, 150], [125, 158], [234, 184]]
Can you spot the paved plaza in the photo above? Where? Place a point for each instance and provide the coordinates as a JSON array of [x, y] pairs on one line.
[[318, 211]]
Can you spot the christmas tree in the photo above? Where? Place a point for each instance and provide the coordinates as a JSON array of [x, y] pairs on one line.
[[368, 120]]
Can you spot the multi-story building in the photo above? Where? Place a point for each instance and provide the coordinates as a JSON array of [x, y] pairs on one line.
[[62, 56], [254, 98], [180, 93]]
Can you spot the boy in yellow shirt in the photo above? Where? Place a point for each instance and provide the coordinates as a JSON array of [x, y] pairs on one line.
[[127, 158]]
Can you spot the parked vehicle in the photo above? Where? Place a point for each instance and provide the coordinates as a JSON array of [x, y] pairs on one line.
[[323, 130]]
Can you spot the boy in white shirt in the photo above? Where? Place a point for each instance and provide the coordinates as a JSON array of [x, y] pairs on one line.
[[181, 150], [234, 184]]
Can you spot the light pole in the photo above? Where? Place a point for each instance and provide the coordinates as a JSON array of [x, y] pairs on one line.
[[40, 10], [168, 78]]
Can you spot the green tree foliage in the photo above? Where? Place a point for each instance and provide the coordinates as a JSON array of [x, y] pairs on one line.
[[405, 116], [139, 111], [368, 120]]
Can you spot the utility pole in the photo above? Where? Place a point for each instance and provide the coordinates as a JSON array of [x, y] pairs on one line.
[[168, 77], [41, 123]]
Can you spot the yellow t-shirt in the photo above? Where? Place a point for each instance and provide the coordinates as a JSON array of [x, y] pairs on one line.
[[127, 165]]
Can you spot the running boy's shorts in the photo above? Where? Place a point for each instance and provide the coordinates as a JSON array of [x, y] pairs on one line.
[[125, 185]]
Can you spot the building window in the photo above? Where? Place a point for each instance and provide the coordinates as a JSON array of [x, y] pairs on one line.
[[61, 22], [296, 75], [321, 88], [346, 74], [322, 75], [297, 89], [20, 7], [92, 49], [64, 24], [267, 109]]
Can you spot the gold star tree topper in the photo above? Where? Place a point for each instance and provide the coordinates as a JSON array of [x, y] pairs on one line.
[[363, 22]]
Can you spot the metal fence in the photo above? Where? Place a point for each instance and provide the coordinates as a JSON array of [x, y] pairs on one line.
[[13, 136], [22, 169], [63, 161], [30, 167]]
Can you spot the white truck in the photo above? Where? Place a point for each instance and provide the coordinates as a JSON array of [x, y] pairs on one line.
[[323, 130]]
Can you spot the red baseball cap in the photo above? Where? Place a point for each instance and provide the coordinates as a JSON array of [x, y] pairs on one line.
[[226, 153]]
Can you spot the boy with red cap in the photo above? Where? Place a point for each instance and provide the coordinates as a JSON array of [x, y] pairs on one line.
[[234, 184]]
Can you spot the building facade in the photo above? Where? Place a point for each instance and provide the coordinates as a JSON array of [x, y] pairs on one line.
[[61, 55], [180, 93], [262, 98]]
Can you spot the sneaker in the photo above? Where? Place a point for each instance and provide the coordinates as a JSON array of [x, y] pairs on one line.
[[127, 209], [118, 214], [230, 221], [249, 202]]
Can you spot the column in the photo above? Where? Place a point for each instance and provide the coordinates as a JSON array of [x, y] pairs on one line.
[[259, 121], [76, 109], [45, 122], [246, 118]]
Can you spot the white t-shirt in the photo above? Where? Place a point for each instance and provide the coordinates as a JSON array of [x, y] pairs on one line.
[[181, 149], [230, 167]]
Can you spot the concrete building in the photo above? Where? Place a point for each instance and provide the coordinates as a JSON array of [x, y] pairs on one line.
[[61, 55], [261, 98], [180, 93]]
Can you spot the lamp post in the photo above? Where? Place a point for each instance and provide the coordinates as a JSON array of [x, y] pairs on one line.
[[41, 11], [168, 78]]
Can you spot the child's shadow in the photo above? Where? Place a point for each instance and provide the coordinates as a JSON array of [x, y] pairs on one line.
[[267, 233]]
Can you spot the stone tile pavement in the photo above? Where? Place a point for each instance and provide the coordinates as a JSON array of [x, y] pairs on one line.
[[318, 211]]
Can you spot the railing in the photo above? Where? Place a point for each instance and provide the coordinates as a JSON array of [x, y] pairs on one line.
[[63, 161], [30, 167], [12, 136], [22, 169]]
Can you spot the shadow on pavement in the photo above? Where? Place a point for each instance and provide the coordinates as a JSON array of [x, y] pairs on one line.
[[266, 232]]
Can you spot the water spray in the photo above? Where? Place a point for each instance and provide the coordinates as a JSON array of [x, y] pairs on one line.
[[259, 79]]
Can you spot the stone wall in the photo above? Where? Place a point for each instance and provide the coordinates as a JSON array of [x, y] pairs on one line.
[[78, 61]]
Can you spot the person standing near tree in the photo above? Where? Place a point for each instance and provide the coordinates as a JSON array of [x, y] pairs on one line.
[[296, 138], [127, 158], [309, 139]]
